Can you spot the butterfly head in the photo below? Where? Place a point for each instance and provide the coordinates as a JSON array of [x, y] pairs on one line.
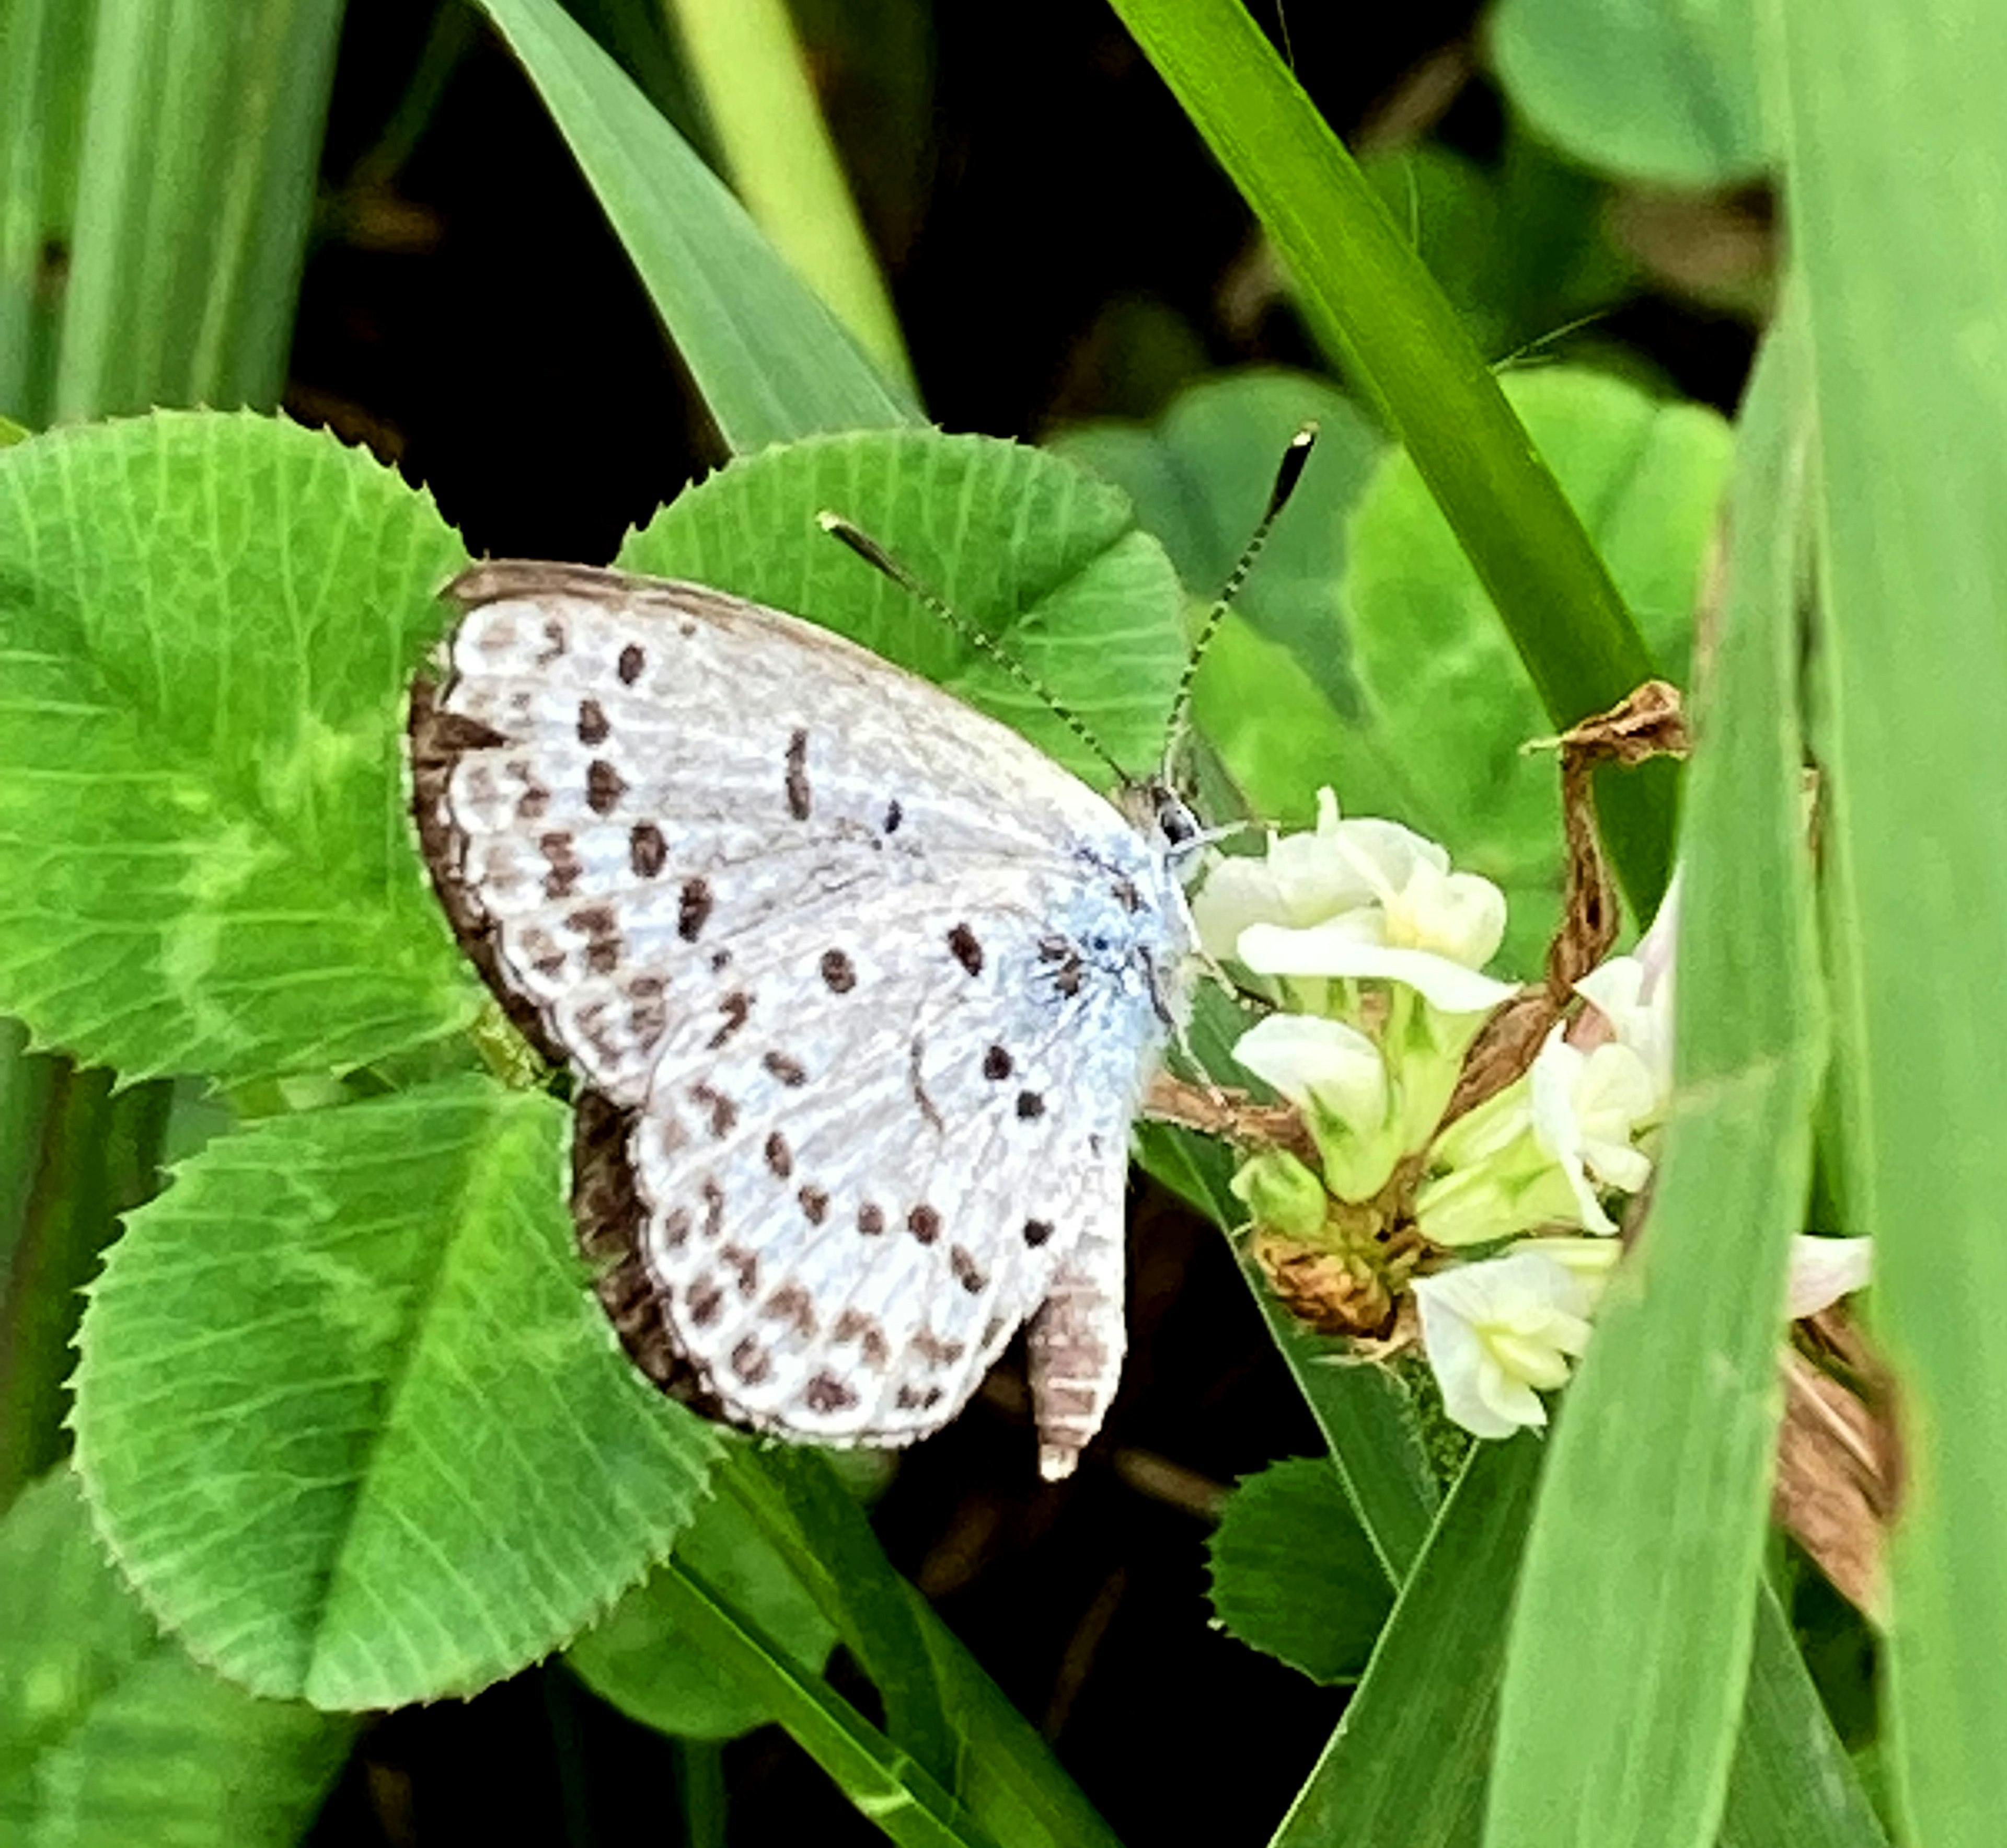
[[1165, 820]]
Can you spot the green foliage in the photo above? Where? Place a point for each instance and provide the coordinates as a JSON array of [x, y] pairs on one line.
[[1896, 155], [639, 1657], [348, 1417], [1440, 678], [1293, 1573], [1649, 90], [1522, 248], [1027, 548], [771, 361], [208, 623], [1631, 1562], [1402, 348], [109, 1733]]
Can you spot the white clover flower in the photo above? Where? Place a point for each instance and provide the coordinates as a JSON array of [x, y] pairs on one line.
[[1586, 1107], [1630, 999], [1499, 1333], [1410, 920], [1589, 1261], [1334, 1075], [1302, 880], [1360, 898], [1824, 1270]]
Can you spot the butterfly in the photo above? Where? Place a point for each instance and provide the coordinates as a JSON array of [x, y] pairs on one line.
[[861, 990]]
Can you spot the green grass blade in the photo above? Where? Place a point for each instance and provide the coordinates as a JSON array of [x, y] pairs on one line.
[[1363, 1412], [1896, 147], [1406, 350], [771, 361], [895, 1792], [749, 63], [1792, 1785], [1406, 1768], [1408, 1764], [1631, 1634], [941, 1709], [202, 143]]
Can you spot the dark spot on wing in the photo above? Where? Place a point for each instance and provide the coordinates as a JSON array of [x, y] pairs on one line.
[[744, 1266], [827, 1393], [1030, 1105], [797, 776], [916, 1053], [1037, 1231], [749, 1361], [780, 1157], [676, 1228], [870, 1220], [894, 814], [912, 1399], [968, 1273], [555, 641], [632, 662], [601, 930], [720, 960], [996, 1063], [534, 802], [815, 1204], [924, 1223], [565, 864], [693, 908], [838, 972], [790, 1303], [968, 952], [603, 787], [735, 1007], [706, 1300], [789, 1071], [593, 728], [936, 1352], [855, 1325], [714, 1208], [647, 850], [724, 1112]]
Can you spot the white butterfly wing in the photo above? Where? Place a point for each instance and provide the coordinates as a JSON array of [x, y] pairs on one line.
[[879, 983]]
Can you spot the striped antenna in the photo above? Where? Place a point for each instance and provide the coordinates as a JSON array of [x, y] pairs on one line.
[[1287, 476], [879, 560]]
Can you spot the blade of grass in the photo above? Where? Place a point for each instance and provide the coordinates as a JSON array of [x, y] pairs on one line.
[[748, 63], [772, 361], [1407, 1766], [1630, 1635], [887, 1785], [201, 146], [942, 1710], [1408, 352], [1896, 158], [44, 60], [1792, 1785], [1362, 1411]]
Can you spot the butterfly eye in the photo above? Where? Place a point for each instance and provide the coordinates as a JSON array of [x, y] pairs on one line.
[[1176, 822]]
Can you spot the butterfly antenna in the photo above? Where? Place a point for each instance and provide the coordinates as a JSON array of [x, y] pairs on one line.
[[879, 560], [1287, 476]]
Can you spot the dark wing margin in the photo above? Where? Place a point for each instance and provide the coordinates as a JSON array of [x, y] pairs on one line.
[[607, 1213], [438, 740]]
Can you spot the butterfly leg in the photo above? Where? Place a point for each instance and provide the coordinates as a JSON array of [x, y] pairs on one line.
[[1076, 1341]]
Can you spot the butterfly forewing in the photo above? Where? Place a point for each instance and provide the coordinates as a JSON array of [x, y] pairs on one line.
[[876, 985]]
